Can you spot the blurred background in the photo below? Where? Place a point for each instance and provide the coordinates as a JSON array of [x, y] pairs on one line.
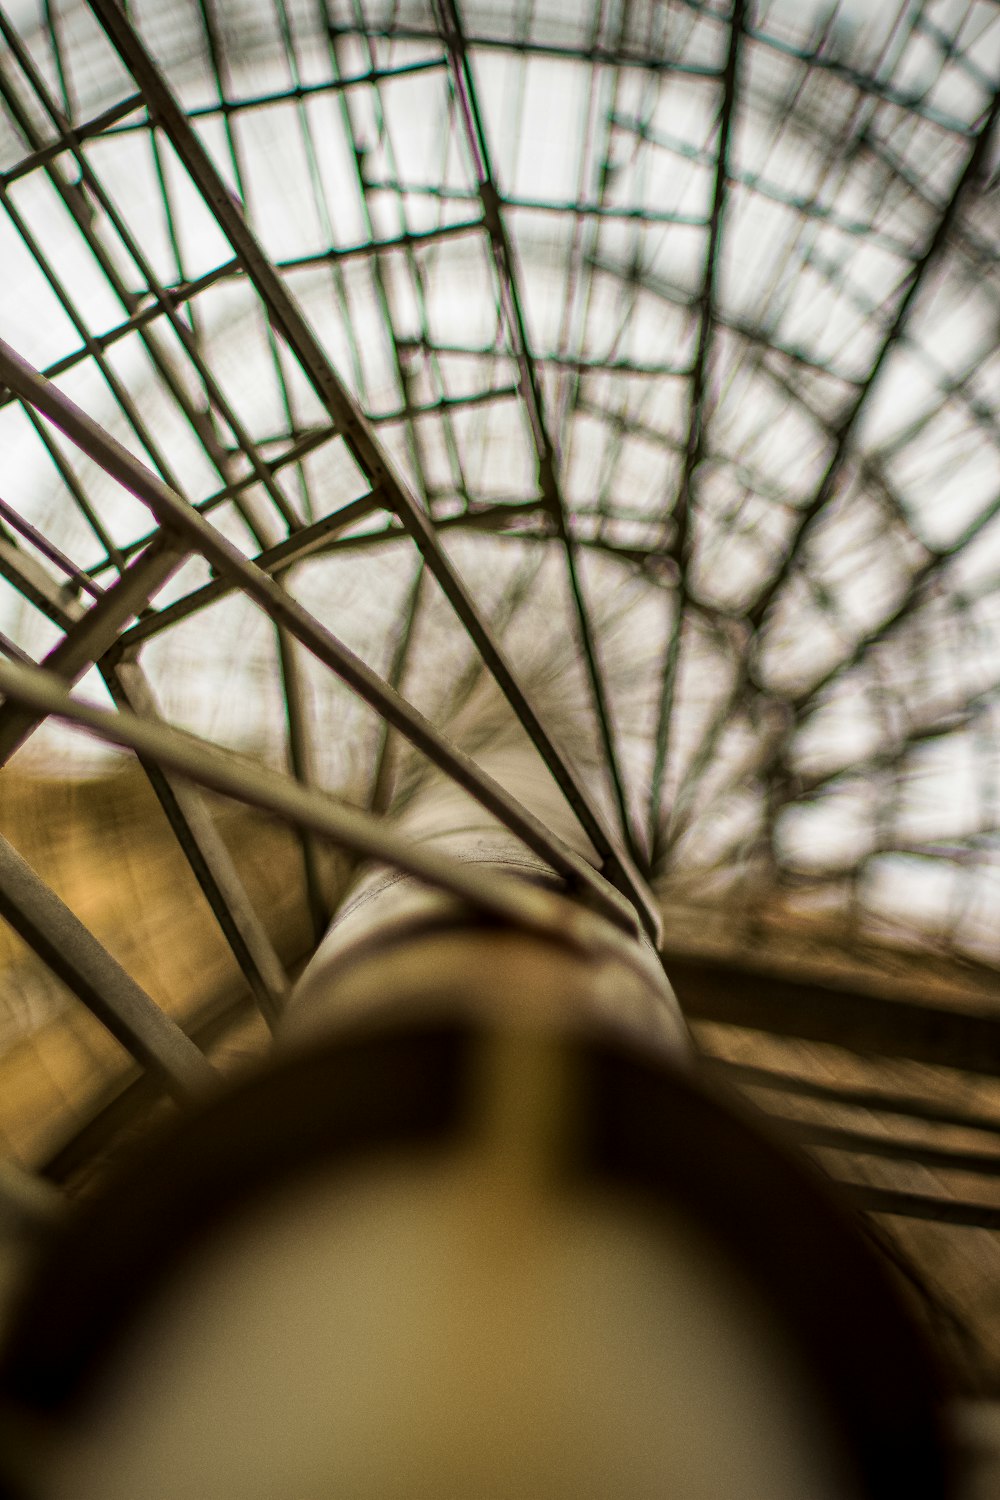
[[679, 321]]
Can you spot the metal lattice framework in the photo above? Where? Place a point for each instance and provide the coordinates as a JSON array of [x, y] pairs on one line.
[[638, 358]]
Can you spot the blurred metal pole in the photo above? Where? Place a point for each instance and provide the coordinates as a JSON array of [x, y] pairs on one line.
[[398, 945]]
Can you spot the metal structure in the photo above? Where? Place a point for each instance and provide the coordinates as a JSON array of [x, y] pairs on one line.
[[381, 378]]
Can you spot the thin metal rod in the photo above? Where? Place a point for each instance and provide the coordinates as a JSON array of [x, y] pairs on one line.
[[696, 434], [48, 550], [206, 853], [638, 57], [304, 543], [301, 762], [88, 969], [94, 632], [98, 125], [37, 585]]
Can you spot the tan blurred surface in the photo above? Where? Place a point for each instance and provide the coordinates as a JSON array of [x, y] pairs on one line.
[[105, 847]]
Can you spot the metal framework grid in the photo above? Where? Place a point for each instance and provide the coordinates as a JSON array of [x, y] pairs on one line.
[[640, 359]]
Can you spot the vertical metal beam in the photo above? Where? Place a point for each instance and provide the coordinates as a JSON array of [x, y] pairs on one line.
[[512, 306], [301, 759], [697, 413]]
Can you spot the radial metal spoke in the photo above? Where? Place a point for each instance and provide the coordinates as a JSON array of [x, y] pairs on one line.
[[916, 279], [512, 304], [697, 417], [874, 1200], [818, 1134], [873, 1100]]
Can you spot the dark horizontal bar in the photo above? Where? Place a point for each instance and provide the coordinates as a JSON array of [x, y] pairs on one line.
[[578, 208], [907, 1105], [863, 1143], [874, 1200], [651, 61], [298, 93], [808, 1011]]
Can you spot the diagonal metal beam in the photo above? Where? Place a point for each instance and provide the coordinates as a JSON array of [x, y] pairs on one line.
[[503, 897], [88, 969], [807, 1010], [694, 451], [288, 320], [182, 521], [302, 544], [48, 549], [875, 1200], [206, 853], [512, 306], [36, 584], [94, 632]]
